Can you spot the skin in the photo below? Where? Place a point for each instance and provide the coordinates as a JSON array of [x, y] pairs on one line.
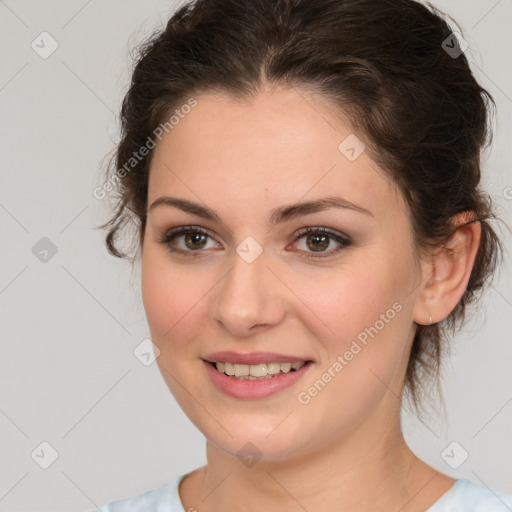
[[344, 450]]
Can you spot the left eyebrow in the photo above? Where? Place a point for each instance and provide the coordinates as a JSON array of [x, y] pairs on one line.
[[285, 213], [278, 215]]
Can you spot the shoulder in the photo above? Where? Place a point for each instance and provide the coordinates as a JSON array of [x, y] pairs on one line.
[[470, 497], [165, 498]]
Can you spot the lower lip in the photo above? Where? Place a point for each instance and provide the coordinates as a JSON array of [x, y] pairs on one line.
[[254, 389]]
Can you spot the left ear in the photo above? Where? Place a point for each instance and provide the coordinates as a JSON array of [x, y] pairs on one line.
[[448, 270]]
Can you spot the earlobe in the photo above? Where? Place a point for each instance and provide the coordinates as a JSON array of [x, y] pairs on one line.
[[447, 273]]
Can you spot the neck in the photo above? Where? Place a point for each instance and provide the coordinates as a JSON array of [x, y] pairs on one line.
[[344, 475]]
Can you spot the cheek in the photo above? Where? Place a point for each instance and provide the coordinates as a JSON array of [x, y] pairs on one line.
[[171, 295], [354, 299], [363, 311], [365, 307]]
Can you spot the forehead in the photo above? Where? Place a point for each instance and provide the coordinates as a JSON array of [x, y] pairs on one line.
[[280, 146]]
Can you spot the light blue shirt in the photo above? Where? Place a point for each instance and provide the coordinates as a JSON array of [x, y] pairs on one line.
[[464, 496]]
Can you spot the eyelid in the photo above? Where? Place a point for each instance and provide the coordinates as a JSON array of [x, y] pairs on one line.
[[320, 229], [338, 237], [170, 234]]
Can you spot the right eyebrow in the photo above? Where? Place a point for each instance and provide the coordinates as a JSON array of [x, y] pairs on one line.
[[186, 206]]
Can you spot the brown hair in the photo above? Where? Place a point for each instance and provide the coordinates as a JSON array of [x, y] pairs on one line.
[[384, 63]]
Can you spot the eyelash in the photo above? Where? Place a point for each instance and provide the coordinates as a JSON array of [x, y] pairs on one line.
[[184, 230]]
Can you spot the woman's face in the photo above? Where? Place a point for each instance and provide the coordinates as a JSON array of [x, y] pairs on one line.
[[245, 284]]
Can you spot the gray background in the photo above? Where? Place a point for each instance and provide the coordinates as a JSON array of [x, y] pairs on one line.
[[69, 325]]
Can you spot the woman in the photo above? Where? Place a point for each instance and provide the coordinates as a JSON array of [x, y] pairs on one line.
[[305, 181]]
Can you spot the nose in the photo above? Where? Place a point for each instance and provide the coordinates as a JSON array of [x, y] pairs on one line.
[[249, 299]]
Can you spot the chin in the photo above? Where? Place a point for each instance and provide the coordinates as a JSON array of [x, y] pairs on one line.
[[247, 437], [250, 449]]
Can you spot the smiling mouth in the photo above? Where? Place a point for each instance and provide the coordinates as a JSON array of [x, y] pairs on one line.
[[260, 371]]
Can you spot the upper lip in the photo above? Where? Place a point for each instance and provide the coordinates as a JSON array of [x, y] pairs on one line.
[[252, 357]]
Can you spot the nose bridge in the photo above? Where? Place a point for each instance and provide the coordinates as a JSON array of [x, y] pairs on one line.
[[249, 294]]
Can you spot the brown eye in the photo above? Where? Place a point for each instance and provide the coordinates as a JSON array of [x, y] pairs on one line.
[[195, 240], [187, 239], [318, 240]]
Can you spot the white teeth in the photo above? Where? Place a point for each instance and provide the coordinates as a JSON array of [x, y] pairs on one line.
[[241, 370], [260, 370], [273, 368], [286, 367]]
